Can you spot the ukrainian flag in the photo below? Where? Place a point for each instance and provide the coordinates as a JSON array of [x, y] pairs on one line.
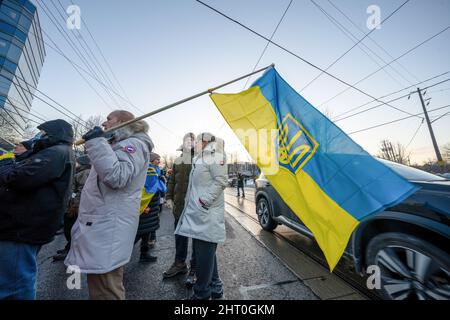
[[326, 179], [153, 184]]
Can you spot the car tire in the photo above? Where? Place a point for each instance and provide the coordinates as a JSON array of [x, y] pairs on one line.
[[264, 212], [410, 267]]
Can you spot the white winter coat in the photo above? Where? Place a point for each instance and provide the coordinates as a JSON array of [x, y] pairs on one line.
[[207, 181], [103, 235]]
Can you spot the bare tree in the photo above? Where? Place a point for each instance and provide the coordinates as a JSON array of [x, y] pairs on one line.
[[7, 127], [393, 152], [94, 121], [81, 126], [167, 161], [446, 152]]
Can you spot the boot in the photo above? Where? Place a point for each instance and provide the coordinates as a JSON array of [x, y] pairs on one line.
[[147, 257], [176, 268]]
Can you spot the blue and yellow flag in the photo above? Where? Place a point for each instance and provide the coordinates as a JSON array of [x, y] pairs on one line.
[[153, 184], [325, 178]]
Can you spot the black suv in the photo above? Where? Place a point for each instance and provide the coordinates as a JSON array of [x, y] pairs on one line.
[[409, 242]]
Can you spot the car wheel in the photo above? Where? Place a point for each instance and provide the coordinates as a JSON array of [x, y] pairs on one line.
[[265, 215], [410, 268]]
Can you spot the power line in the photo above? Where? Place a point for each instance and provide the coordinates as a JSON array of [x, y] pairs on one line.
[[36, 122], [415, 133], [104, 58], [373, 41], [296, 55], [359, 41], [380, 105], [361, 45], [14, 119], [441, 116], [46, 102], [268, 42], [379, 69], [9, 123], [23, 110], [392, 93], [108, 80], [397, 120], [36, 89], [263, 52], [67, 37], [436, 91], [75, 49], [88, 51], [77, 68]]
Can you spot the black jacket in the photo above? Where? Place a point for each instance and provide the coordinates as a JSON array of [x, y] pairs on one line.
[[240, 180], [34, 192], [149, 222]]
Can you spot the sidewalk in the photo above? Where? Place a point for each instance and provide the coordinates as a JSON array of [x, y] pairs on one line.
[[247, 268]]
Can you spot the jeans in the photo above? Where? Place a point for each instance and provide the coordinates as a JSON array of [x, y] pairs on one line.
[[18, 269], [242, 188], [208, 280], [181, 248]]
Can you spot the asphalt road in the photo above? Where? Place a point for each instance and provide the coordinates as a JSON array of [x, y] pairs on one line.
[[249, 270]]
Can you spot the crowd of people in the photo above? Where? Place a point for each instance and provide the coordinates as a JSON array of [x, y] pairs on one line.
[[108, 199]]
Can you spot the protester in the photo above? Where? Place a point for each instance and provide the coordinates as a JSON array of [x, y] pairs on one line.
[[203, 216], [150, 208], [104, 233], [23, 150], [82, 169], [240, 184], [34, 194], [176, 193]]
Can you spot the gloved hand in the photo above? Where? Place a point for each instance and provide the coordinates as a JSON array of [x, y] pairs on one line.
[[169, 204], [95, 132]]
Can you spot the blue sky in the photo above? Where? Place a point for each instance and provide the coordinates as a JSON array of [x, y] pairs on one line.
[[164, 50]]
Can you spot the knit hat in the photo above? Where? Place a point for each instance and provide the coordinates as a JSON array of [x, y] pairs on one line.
[[154, 156]]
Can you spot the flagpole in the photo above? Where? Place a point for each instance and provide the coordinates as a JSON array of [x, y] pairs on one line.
[[195, 96]]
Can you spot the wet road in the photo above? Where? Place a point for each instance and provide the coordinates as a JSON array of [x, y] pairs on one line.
[[254, 264], [248, 269], [300, 253]]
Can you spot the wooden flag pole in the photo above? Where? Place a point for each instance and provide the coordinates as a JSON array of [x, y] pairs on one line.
[[81, 141]]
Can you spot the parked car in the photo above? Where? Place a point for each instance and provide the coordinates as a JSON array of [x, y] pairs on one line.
[[409, 242]]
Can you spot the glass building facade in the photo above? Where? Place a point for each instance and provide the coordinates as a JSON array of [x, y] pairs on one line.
[[22, 55]]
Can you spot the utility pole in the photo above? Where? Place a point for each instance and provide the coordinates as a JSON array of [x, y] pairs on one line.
[[430, 128]]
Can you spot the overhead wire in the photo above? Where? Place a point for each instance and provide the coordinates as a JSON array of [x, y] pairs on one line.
[[354, 45], [379, 69], [373, 41], [296, 55], [264, 50], [394, 121], [392, 93], [362, 46], [86, 48], [380, 105]]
